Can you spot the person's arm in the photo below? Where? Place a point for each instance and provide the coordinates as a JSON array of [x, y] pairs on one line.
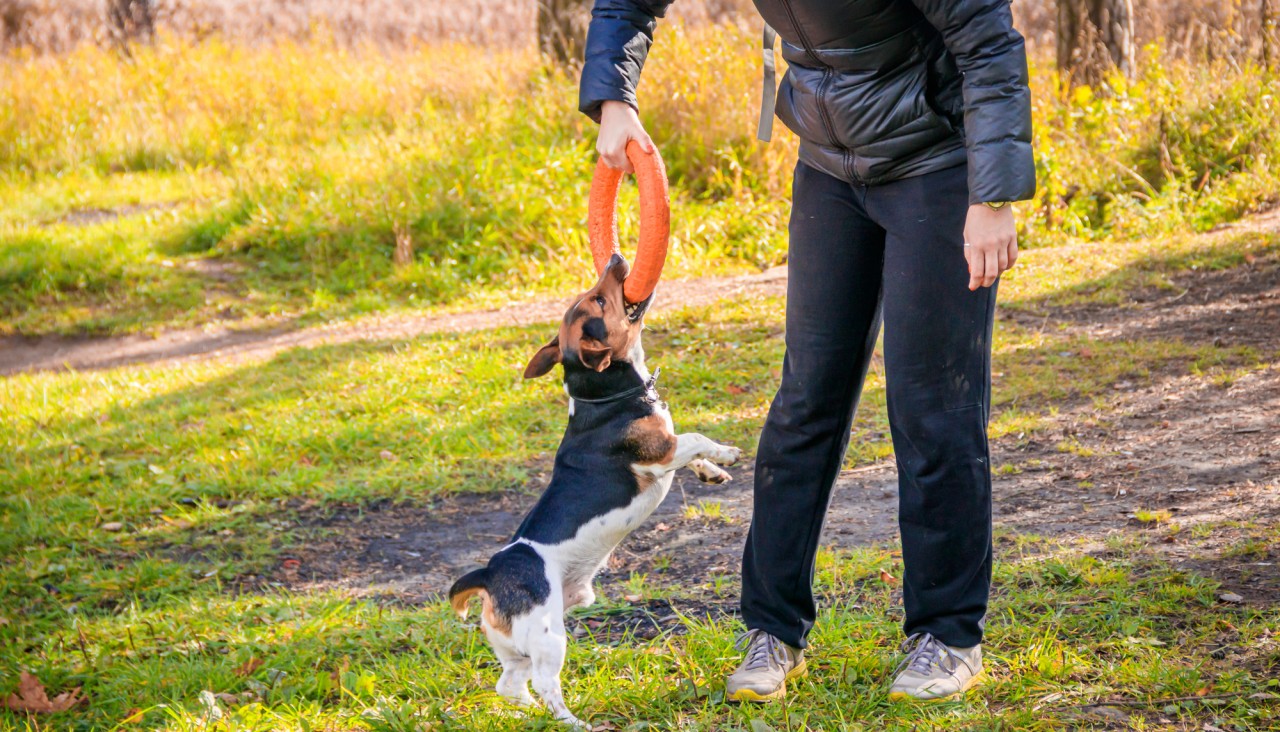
[[618, 41], [997, 100], [997, 123]]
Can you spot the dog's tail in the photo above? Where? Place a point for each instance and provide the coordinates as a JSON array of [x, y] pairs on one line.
[[467, 586]]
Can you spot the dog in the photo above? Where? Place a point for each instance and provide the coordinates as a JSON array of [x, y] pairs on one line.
[[614, 466]]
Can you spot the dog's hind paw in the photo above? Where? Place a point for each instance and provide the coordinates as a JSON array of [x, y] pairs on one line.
[[707, 472]]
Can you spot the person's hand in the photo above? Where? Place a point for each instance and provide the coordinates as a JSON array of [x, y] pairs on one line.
[[619, 124], [991, 243]]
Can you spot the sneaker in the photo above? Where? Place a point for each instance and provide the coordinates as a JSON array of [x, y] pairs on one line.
[[763, 674], [933, 670]]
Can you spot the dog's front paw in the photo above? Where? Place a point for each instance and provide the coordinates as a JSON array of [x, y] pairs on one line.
[[726, 455], [708, 472]]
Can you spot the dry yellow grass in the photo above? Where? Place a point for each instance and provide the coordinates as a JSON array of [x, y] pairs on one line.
[[60, 25], [304, 162]]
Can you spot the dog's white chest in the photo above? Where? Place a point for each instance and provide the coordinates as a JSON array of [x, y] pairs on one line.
[[583, 554]]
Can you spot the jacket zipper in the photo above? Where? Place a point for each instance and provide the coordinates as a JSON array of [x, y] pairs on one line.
[[827, 73]]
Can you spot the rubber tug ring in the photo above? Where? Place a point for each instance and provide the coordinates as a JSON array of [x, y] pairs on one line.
[[655, 221]]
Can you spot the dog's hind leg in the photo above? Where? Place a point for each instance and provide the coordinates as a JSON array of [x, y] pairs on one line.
[[517, 669], [547, 648]]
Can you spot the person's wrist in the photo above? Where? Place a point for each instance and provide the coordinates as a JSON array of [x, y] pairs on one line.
[[985, 209], [614, 108]]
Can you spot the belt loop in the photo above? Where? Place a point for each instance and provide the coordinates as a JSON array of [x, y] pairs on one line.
[[769, 94]]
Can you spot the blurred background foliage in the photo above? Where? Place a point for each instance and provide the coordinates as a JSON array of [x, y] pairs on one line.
[[263, 160]]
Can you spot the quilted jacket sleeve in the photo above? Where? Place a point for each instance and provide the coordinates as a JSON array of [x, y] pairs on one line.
[[618, 41], [997, 101]]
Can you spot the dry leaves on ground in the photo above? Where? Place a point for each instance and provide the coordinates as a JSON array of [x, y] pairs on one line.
[[31, 697], [248, 667]]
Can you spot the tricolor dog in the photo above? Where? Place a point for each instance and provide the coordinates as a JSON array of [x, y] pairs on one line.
[[613, 468]]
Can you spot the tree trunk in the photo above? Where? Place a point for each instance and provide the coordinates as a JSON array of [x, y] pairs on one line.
[[562, 29], [129, 21], [1266, 12], [1094, 36]]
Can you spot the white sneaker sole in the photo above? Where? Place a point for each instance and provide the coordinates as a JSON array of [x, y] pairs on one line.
[[908, 696]]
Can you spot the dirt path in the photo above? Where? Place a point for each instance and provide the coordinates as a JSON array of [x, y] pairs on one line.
[[54, 353], [223, 342], [1191, 451]]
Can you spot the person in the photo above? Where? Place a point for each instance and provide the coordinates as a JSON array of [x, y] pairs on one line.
[[914, 119]]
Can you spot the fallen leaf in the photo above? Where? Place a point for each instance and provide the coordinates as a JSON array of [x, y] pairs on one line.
[[1203, 691], [887, 578], [31, 697], [291, 564], [133, 716], [112, 526], [631, 598], [387, 455], [1231, 597], [228, 699], [735, 390], [248, 667]]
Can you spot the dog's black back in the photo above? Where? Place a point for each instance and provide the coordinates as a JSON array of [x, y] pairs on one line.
[[593, 467]]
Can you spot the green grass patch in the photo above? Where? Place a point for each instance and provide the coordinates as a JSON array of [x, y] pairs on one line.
[[1066, 629]]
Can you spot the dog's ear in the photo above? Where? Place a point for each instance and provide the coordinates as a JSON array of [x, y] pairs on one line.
[[596, 357], [544, 360]]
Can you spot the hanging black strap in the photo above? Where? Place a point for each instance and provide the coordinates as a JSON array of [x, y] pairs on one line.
[[769, 96]]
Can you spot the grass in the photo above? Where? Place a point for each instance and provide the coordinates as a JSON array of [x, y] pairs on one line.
[[177, 188], [208, 467]]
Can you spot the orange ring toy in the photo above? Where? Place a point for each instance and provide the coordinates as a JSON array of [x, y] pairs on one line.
[[655, 220]]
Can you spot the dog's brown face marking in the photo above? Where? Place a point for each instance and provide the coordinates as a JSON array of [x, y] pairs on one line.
[[596, 329], [650, 442]]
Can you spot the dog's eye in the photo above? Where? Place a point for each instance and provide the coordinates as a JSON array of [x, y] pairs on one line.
[[600, 301]]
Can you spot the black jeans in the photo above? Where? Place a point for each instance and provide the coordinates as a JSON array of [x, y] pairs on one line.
[[859, 255]]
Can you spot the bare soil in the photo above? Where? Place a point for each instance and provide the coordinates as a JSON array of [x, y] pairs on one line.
[[1190, 451]]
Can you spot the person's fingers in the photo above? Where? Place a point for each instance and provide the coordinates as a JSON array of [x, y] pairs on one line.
[[992, 269], [976, 265], [1013, 253], [615, 155], [1002, 257]]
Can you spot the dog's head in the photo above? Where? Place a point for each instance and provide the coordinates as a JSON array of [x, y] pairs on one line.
[[599, 328]]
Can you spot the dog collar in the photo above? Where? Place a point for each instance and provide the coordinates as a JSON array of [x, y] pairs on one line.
[[649, 389]]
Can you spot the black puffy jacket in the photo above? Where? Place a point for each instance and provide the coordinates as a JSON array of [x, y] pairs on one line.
[[877, 90]]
